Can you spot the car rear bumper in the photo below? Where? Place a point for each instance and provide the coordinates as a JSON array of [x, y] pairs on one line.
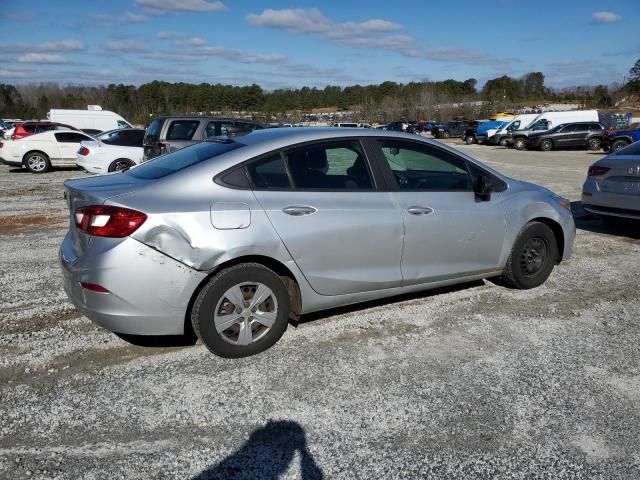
[[11, 163], [603, 211], [149, 293]]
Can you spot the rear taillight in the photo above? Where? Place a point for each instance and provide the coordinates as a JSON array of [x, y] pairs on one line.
[[94, 287], [597, 171], [108, 221], [84, 151]]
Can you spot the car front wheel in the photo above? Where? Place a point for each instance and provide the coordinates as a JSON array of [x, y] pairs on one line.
[[241, 311], [618, 144], [532, 257]]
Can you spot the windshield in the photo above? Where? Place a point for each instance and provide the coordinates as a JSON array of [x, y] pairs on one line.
[[186, 157], [153, 130], [633, 149]]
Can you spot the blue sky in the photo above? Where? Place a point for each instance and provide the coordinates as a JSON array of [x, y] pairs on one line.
[[291, 44]]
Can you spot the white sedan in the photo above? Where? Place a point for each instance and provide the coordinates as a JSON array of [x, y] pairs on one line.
[[40, 152], [111, 151]]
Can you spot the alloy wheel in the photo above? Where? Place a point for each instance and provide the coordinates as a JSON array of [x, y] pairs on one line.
[[37, 163]]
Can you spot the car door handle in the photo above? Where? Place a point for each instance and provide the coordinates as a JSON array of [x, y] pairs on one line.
[[299, 210], [416, 210]]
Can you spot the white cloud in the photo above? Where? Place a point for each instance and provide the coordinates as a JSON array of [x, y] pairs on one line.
[[129, 17], [71, 46], [169, 34], [160, 7], [374, 33], [59, 46], [126, 46], [605, 17], [41, 58], [312, 20]]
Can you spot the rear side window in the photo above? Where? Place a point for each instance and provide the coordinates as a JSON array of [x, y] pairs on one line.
[[182, 129], [596, 127], [269, 173], [580, 128], [331, 166], [71, 137], [29, 128], [179, 160]]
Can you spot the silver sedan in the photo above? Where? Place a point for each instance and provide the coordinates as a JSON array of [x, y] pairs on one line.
[[232, 237], [612, 188]]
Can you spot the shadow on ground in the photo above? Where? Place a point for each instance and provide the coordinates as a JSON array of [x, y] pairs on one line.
[[310, 317], [590, 223], [267, 455]]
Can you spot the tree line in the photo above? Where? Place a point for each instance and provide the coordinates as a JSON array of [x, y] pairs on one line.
[[381, 102]]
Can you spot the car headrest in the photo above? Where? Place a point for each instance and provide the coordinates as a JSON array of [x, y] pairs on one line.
[[316, 159]]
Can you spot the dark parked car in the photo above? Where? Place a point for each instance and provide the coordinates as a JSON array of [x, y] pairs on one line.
[[621, 138], [167, 134], [425, 127], [396, 126], [453, 129], [589, 135]]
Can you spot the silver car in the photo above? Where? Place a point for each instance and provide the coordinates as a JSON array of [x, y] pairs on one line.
[[232, 237], [612, 188]]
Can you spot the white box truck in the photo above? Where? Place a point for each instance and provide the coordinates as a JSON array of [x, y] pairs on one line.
[[93, 118]]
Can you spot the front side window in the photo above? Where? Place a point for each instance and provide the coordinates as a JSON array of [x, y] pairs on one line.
[[333, 166], [581, 128], [422, 167], [182, 129]]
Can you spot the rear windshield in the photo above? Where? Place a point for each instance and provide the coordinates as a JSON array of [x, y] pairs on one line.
[[186, 157], [633, 149]]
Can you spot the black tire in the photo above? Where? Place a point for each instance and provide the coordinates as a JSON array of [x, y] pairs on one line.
[[446, 135], [595, 144], [37, 162], [546, 145], [520, 143], [618, 145], [503, 142], [468, 140], [532, 257], [120, 164], [212, 294]]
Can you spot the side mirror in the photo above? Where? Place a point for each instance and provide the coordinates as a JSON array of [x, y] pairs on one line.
[[484, 187]]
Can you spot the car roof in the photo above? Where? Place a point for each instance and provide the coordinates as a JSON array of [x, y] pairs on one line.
[[207, 117]]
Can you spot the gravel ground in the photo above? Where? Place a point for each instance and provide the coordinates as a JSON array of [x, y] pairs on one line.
[[469, 382]]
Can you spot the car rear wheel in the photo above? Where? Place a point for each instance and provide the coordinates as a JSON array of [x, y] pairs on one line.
[[618, 145], [546, 145], [520, 143], [37, 162], [120, 164], [595, 144], [241, 311], [532, 258]]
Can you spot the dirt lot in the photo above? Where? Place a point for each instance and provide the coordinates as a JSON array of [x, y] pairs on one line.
[[469, 382]]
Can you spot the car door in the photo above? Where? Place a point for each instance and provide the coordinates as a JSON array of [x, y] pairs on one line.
[[578, 137], [69, 144], [563, 136], [449, 231], [344, 234], [180, 133]]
